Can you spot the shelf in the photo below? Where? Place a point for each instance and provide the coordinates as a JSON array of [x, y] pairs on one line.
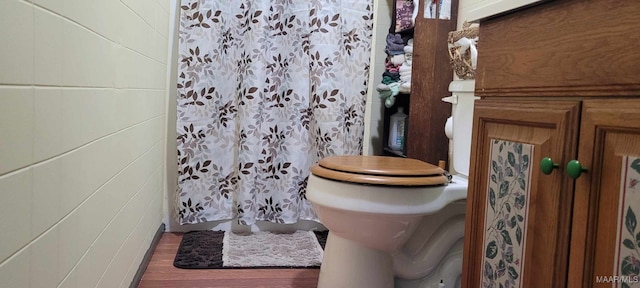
[[394, 152], [431, 74]]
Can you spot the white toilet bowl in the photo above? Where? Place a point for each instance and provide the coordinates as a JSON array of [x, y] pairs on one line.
[[371, 206]]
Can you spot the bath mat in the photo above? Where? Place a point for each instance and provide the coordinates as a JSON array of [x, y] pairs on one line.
[[223, 250]]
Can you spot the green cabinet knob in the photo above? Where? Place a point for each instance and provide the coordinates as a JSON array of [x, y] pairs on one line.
[[547, 165], [575, 169]]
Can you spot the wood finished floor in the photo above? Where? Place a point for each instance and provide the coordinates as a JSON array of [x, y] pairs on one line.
[[161, 273]]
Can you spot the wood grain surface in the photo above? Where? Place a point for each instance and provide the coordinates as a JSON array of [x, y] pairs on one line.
[[561, 48]]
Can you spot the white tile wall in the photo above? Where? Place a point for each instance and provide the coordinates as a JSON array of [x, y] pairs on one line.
[[69, 281], [88, 58], [160, 52], [82, 123], [55, 6], [101, 17], [137, 70], [47, 197], [44, 260], [15, 216], [161, 18], [138, 32], [48, 138], [138, 240], [48, 45], [14, 273], [16, 127], [143, 8], [16, 51]]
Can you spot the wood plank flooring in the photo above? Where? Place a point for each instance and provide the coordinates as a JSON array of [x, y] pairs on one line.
[[161, 273]]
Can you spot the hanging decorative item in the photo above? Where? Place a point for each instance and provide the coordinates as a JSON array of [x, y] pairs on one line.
[[463, 51], [404, 10]]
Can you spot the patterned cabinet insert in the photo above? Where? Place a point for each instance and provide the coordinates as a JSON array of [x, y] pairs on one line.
[[505, 218], [627, 253], [605, 241], [518, 219]]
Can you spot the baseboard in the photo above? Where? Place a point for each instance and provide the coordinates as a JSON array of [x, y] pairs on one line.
[[147, 257]]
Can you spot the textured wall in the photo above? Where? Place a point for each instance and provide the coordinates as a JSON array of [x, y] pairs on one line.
[[382, 11], [82, 123]]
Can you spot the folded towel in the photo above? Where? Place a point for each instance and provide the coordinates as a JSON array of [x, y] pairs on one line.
[[393, 52], [394, 88], [393, 76], [388, 80], [397, 59], [383, 87], [394, 42], [388, 93], [383, 95], [391, 99], [405, 87], [391, 67]]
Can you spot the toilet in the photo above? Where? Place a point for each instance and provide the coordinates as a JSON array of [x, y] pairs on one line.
[[372, 205]]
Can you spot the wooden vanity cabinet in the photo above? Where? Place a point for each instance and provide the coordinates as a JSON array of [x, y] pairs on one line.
[[554, 85], [550, 130], [569, 226], [609, 131]]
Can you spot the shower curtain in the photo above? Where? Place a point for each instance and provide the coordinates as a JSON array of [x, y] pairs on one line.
[[265, 90]]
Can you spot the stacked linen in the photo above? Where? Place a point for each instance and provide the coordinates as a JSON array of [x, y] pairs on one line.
[[405, 68], [397, 69]]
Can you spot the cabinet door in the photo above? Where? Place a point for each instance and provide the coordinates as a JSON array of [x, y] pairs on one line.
[[605, 240], [518, 219]]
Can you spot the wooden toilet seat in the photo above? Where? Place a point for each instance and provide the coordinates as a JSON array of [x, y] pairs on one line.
[[379, 170]]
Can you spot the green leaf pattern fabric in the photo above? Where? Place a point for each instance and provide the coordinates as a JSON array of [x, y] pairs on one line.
[[627, 263], [505, 213]]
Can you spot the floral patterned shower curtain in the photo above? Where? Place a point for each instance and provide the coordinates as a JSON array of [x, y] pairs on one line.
[[265, 89]]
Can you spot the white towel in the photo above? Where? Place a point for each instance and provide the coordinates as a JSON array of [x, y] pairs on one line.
[[397, 59], [404, 68], [405, 87]]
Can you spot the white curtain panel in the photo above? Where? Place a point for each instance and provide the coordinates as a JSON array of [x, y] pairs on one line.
[[265, 90]]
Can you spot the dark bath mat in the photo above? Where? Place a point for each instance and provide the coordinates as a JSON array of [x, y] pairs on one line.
[[200, 250], [204, 250], [322, 237]]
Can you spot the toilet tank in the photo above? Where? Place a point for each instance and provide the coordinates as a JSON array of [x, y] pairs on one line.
[[460, 125]]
